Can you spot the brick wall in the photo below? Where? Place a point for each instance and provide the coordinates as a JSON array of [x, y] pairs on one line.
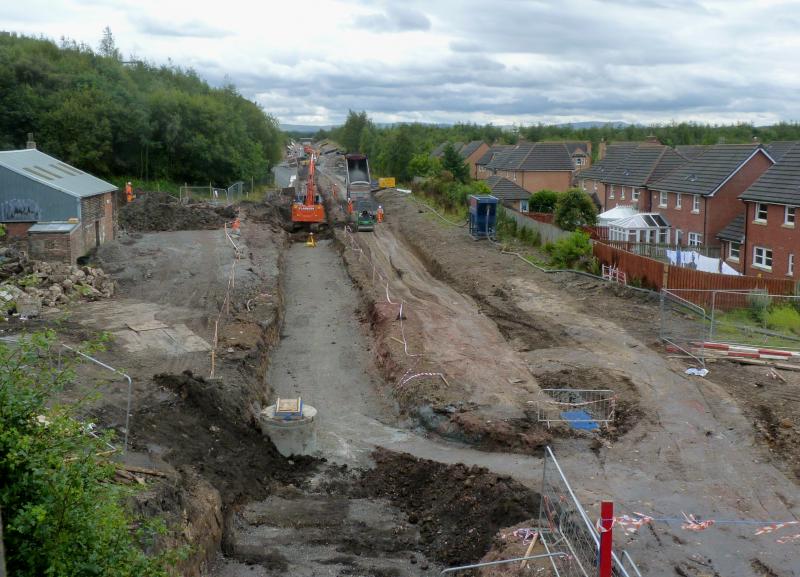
[[55, 246], [534, 181], [97, 220], [624, 196], [781, 239], [17, 230], [474, 157]]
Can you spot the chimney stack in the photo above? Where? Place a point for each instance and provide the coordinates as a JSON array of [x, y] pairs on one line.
[[601, 149], [652, 139], [31, 144]]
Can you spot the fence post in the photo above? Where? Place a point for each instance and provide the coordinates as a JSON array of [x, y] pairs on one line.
[[665, 277], [713, 307], [606, 537]]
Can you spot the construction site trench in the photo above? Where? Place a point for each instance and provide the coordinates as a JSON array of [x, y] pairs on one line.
[[429, 446]]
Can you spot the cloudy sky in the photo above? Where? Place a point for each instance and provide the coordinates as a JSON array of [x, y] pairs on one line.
[[500, 61]]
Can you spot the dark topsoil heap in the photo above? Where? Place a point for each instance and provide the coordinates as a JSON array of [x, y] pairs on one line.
[[159, 211], [205, 429], [459, 509]]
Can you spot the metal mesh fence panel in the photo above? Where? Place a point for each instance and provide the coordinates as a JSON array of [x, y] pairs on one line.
[[576, 406], [682, 324], [566, 527], [746, 324]]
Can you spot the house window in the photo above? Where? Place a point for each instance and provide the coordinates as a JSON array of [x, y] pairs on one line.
[[788, 215], [762, 257], [610, 191], [695, 239], [663, 236], [622, 193], [635, 193], [733, 250], [523, 205], [761, 212], [662, 199], [696, 203], [790, 271], [594, 186], [678, 200], [578, 161]]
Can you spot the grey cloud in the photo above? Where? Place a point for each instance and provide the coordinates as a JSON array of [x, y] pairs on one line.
[[186, 29], [395, 18]]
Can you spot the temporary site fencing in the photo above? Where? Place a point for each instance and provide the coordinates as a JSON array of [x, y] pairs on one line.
[[380, 280], [236, 192], [565, 526], [660, 275], [752, 324], [583, 408]]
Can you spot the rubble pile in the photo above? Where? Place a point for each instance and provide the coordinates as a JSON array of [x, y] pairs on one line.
[[26, 285]]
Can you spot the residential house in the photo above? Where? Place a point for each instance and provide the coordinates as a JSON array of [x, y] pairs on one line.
[[471, 153], [770, 231], [62, 211], [627, 182], [609, 155], [535, 166], [701, 197], [509, 193], [482, 172], [581, 153]]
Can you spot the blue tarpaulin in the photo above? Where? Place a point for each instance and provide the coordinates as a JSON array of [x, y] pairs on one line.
[[580, 420]]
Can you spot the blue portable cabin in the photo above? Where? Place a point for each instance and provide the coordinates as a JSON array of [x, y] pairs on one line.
[[482, 216]]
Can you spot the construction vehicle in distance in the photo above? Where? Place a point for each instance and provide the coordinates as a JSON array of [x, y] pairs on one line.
[[308, 210], [359, 192]]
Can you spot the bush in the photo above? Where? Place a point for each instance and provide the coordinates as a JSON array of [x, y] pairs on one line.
[[567, 251], [575, 208], [759, 300], [544, 201], [784, 318], [62, 513]]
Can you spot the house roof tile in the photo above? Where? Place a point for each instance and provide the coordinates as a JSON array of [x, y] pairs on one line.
[[734, 231], [470, 148], [505, 189], [615, 153], [780, 183], [706, 173], [49, 171], [534, 156]]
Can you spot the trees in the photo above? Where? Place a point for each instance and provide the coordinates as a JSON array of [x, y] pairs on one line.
[[423, 164], [135, 120], [398, 155], [575, 208], [453, 163], [349, 135], [544, 201], [62, 512]]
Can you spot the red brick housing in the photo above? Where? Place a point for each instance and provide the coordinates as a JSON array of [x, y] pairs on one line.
[[701, 197], [771, 231]]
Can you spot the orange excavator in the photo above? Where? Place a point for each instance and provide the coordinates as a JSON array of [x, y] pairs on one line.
[[309, 210]]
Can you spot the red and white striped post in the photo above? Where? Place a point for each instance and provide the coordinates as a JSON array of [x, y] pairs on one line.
[[606, 537]]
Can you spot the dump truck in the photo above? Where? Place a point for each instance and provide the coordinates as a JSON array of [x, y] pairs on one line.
[[358, 181]]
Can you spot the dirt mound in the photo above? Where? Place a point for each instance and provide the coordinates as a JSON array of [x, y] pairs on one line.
[[202, 430], [627, 411], [159, 211], [458, 508]]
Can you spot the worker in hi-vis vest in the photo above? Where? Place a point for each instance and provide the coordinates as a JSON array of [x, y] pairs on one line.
[[128, 192], [380, 213], [349, 206]]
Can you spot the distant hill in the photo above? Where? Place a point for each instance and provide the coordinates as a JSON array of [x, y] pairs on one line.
[[307, 128]]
